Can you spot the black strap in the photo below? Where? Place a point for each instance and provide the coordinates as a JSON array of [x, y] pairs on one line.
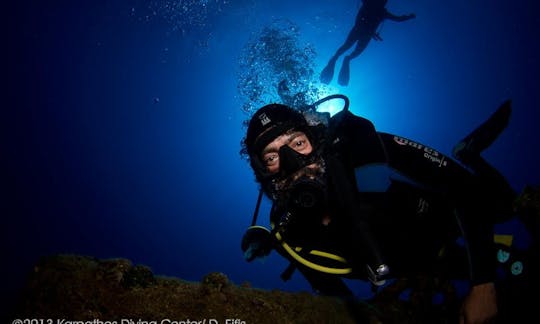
[[362, 236], [288, 272], [256, 212]]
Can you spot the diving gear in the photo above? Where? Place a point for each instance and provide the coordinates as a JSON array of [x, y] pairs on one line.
[[268, 123], [365, 245], [304, 203], [307, 194], [291, 161], [257, 206], [332, 97], [339, 264], [257, 130], [300, 188], [301, 185], [273, 120], [483, 136], [378, 276]]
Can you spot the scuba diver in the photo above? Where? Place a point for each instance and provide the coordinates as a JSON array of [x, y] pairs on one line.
[[369, 17], [349, 201]]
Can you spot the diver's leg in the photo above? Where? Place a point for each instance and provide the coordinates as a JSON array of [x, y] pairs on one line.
[[421, 164], [431, 168], [360, 46], [328, 72], [496, 188], [344, 73], [468, 152], [466, 194], [483, 136], [349, 42]]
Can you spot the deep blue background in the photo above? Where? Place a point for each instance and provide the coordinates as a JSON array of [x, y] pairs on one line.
[[120, 134]]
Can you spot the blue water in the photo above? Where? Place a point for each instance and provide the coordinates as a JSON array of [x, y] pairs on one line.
[[122, 119]]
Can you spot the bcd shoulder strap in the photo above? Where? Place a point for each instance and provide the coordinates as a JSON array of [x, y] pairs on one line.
[[355, 139]]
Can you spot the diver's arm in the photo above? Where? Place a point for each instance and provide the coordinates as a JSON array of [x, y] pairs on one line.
[[480, 306], [393, 17]]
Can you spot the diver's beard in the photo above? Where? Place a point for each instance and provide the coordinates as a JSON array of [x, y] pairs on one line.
[[312, 172], [282, 187]]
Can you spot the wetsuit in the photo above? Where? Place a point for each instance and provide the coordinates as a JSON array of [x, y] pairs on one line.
[[413, 199]]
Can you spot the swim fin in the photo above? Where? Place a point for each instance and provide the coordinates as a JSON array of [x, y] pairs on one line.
[[483, 136], [343, 78], [328, 72]]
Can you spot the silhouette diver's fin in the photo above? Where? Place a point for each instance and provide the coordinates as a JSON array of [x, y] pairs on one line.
[[328, 72], [483, 136], [343, 78]]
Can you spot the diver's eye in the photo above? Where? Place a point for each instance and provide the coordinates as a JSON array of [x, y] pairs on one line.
[[271, 159], [298, 143]]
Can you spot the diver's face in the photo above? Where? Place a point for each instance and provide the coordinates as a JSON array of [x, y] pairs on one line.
[[297, 141]]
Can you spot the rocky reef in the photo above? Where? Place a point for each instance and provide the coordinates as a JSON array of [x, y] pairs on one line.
[[84, 289], [80, 289]]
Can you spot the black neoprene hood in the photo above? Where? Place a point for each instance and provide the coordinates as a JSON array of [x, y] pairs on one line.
[[268, 123]]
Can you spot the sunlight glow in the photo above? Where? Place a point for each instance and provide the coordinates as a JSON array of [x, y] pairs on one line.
[[332, 106]]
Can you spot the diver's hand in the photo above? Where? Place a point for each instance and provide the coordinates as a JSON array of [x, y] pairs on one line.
[[254, 251], [480, 306], [256, 243]]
